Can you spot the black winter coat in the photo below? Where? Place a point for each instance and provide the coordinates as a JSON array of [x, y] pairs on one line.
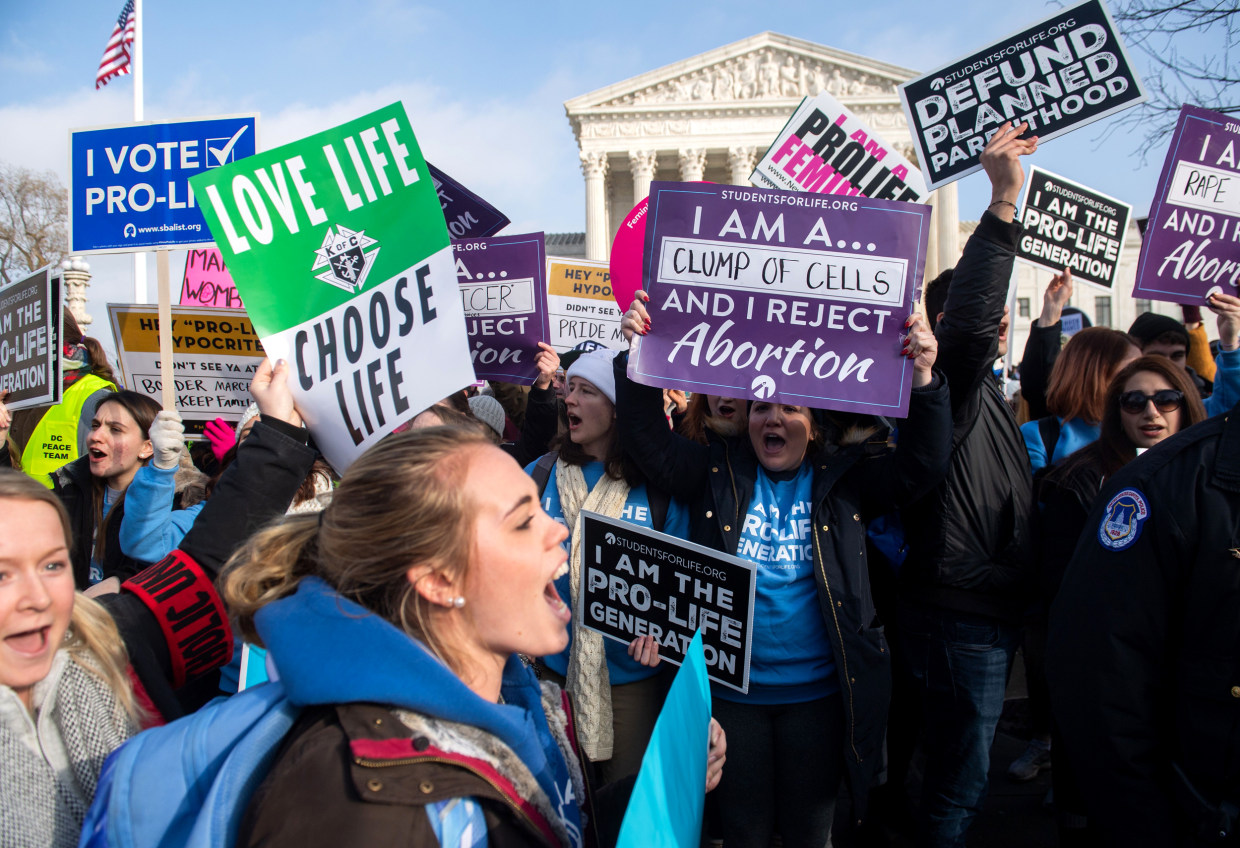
[[74, 485], [968, 539], [172, 620], [850, 485], [1143, 655]]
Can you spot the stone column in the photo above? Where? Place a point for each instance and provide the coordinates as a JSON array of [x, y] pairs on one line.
[[742, 160], [947, 230], [77, 278], [643, 164], [594, 166], [932, 243], [692, 165]]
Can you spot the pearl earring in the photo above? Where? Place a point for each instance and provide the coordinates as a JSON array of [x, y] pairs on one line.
[[458, 602]]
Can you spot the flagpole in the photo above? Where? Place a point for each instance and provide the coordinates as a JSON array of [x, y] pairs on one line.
[[139, 259]]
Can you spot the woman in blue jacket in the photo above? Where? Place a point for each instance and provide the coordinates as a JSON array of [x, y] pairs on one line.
[[792, 495], [618, 693]]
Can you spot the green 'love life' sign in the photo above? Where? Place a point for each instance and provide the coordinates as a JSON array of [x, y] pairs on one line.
[[339, 250]]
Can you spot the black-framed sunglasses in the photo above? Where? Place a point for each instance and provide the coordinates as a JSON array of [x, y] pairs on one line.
[[1165, 400]]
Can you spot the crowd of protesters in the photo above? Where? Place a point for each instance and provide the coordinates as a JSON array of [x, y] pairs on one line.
[[431, 684]]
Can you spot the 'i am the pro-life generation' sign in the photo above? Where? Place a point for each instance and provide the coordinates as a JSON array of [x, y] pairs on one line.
[[1070, 226], [1191, 244], [582, 313], [825, 148], [129, 184], [215, 353], [788, 296], [504, 294], [1058, 74], [30, 326], [637, 582], [338, 246]]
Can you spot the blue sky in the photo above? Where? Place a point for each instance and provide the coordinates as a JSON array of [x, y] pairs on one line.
[[483, 82]]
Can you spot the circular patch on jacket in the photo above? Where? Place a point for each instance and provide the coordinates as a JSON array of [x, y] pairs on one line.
[[1122, 521]]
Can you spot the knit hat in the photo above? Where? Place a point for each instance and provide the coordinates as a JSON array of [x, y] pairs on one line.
[[489, 411], [250, 412], [596, 367], [1150, 325]]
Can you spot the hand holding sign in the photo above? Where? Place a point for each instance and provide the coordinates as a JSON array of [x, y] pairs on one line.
[[1057, 295], [1227, 308], [1001, 161], [637, 319], [921, 346], [548, 362], [716, 755], [271, 392]]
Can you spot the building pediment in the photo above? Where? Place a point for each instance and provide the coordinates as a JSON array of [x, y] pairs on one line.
[[762, 70]]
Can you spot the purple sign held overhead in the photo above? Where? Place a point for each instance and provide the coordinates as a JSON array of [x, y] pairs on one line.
[[504, 291], [1191, 244], [467, 214], [791, 296]]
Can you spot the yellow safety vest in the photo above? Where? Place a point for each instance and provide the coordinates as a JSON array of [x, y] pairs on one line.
[[54, 440]]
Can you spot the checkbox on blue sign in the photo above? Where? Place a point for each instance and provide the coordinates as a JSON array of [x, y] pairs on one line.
[[220, 150]]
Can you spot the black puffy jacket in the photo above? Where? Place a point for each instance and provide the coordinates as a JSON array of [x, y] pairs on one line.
[[969, 539], [850, 485], [1143, 655]]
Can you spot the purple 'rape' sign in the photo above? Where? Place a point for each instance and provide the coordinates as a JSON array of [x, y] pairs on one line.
[[504, 291], [791, 296], [1191, 244]]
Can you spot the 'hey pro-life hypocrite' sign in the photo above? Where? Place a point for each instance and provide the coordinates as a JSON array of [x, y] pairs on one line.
[[638, 582], [129, 184], [1059, 74], [787, 296], [1070, 226], [338, 246]]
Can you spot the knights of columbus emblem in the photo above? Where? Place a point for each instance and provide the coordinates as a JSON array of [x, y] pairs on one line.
[[346, 256]]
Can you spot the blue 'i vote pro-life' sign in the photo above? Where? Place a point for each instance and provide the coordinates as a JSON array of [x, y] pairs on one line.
[[129, 183]]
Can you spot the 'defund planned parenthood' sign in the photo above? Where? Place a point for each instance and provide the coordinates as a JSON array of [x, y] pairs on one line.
[[129, 184]]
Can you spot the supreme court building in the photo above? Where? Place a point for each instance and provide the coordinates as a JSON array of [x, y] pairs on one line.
[[711, 116]]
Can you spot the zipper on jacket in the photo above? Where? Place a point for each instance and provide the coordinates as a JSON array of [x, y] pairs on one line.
[[408, 761], [852, 710], [736, 500]]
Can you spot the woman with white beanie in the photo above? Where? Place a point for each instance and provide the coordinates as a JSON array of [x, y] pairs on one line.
[[618, 693]]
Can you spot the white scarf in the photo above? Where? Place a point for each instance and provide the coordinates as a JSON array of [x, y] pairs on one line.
[[587, 676]]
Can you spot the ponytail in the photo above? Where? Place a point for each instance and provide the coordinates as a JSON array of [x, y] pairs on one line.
[[275, 560]]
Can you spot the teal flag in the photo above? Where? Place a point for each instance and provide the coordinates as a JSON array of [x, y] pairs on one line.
[[666, 806]]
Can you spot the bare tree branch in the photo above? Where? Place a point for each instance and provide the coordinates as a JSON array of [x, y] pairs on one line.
[[1194, 51], [33, 216]]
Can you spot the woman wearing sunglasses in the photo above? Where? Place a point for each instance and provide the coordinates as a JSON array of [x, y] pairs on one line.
[[1149, 400]]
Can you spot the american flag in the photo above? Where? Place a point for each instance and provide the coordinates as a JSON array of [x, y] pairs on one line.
[[115, 59]]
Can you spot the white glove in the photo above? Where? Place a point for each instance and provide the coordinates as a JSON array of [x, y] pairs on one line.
[[168, 440]]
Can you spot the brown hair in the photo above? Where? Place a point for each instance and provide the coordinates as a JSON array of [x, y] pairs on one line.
[[400, 505], [1078, 381], [93, 638], [1113, 449], [72, 335], [143, 410], [698, 420]]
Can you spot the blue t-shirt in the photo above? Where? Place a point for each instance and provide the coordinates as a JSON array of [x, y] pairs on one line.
[[791, 660], [621, 668]]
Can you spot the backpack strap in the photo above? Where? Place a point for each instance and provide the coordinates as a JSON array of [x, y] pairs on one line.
[[1048, 429], [541, 472]]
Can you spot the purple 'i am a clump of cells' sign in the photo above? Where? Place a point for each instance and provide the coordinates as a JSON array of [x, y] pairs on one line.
[[790, 296], [503, 281]]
